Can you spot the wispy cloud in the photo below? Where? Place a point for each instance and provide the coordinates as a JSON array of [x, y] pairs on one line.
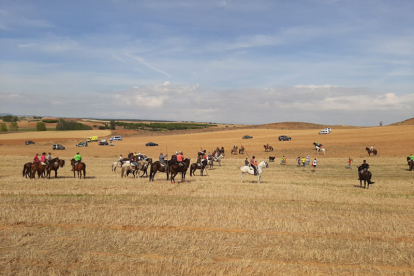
[[142, 61]]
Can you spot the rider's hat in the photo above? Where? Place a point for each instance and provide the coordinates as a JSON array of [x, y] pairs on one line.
[[77, 153], [365, 160]]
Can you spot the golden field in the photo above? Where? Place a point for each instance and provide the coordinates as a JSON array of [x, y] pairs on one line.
[[295, 222]]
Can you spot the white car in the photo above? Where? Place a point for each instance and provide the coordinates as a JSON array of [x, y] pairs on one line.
[[324, 131], [116, 138]]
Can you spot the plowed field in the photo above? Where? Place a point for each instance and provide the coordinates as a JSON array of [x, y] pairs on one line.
[[294, 222]]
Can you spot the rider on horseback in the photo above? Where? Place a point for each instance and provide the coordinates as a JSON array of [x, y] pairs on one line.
[[180, 159], [36, 158], [253, 165], [78, 158], [364, 167], [162, 159], [412, 157]]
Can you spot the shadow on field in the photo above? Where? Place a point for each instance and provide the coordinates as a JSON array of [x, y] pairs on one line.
[[71, 177], [357, 186]]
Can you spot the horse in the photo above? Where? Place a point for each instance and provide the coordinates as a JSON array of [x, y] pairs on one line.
[[39, 168], [142, 166], [115, 165], [196, 166], [260, 167], [175, 168], [157, 166], [241, 150], [127, 168], [234, 150], [374, 151], [55, 164], [268, 148], [201, 153], [366, 176], [27, 170], [78, 167], [410, 164], [316, 145], [318, 150]]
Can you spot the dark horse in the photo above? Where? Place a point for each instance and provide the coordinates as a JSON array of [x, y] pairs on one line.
[[366, 176], [201, 153], [175, 168], [55, 164], [241, 150], [79, 167], [268, 148], [27, 170], [410, 164], [37, 167], [156, 166], [196, 166], [374, 151]]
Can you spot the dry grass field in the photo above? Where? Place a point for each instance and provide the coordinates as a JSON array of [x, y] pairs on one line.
[[295, 222]]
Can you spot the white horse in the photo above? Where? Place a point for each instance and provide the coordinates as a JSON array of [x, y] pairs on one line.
[[318, 149], [260, 167], [115, 165]]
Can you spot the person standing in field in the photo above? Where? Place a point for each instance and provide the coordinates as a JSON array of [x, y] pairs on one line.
[[303, 161], [307, 160], [298, 161], [349, 163], [246, 162], [314, 163], [283, 160]]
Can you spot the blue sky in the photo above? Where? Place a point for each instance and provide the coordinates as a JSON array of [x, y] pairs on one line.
[[251, 62]]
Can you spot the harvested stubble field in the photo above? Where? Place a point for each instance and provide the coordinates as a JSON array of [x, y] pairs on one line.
[[294, 222]]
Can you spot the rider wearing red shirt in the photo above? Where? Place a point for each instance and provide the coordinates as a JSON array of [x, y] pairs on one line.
[[36, 158], [253, 164]]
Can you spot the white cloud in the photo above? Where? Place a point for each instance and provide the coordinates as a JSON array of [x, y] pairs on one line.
[[314, 86]]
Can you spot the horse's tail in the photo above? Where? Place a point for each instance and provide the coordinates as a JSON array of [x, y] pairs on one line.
[[24, 170], [84, 170]]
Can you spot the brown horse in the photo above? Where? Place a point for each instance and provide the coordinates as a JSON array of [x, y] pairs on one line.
[[268, 148], [79, 167], [39, 168], [27, 170], [196, 166], [366, 177], [155, 167], [55, 164], [241, 150], [374, 151], [175, 168], [410, 164], [201, 153], [234, 150]]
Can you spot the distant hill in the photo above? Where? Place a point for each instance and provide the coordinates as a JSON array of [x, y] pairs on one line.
[[301, 125], [404, 123]]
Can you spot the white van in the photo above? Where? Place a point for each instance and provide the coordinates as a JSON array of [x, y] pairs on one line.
[[116, 138], [324, 131]]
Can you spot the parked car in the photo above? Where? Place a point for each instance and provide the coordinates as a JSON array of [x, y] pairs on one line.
[[82, 144], [92, 139], [29, 142], [284, 138], [103, 143], [58, 147], [247, 137], [324, 131], [116, 138], [151, 144]]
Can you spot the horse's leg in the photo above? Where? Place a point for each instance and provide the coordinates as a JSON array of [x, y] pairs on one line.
[[242, 177]]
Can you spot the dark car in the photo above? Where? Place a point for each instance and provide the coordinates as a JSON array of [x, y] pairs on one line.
[[58, 147], [247, 137], [82, 144], [284, 138], [103, 143], [151, 144], [29, 142]]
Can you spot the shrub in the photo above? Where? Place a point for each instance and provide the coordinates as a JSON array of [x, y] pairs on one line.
[[50, 121], [13, 126], [3, 127], [71, 125], [10, 118], [40, 126]]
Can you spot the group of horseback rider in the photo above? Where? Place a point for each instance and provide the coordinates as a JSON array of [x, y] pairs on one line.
[[43, 159]]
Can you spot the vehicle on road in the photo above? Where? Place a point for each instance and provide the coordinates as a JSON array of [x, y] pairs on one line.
[[284, 138], [116, 138], [151, 144], [29, 143], [247, 137], [324, 131], [92, 139], [103, 143], [82, 144], [58, 147]]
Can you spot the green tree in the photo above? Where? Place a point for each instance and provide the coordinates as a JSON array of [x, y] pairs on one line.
[[40, 126], [112, 125], [3, 127], [13, 126]]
